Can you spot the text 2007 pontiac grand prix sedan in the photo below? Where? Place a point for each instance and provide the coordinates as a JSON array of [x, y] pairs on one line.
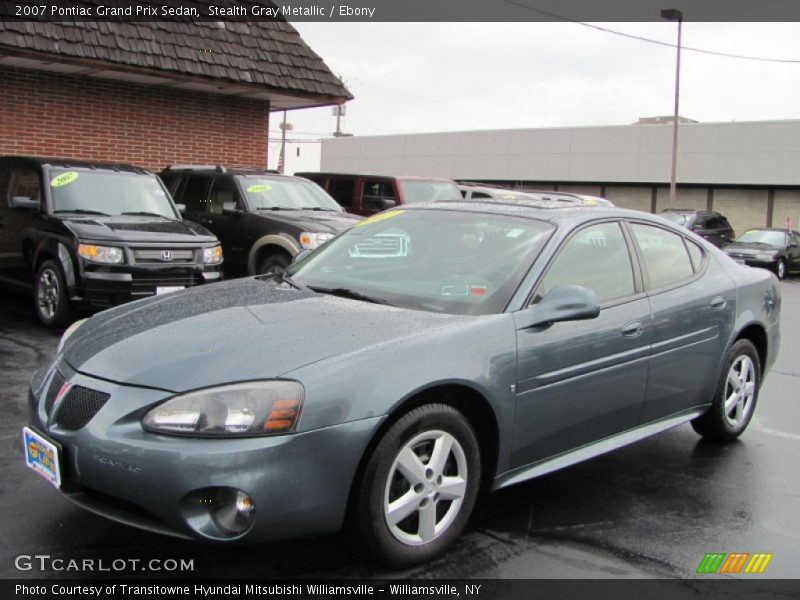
[[390, 375]]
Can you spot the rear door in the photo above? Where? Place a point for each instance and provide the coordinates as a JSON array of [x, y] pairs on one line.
[[192, 191], [692, 305], [581, 381], [24, 182], [226, 216]]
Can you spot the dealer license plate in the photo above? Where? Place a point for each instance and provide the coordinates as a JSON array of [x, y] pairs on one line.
[[166, 289], [42, 456]]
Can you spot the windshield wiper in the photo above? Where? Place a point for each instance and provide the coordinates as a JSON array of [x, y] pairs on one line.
[[274, 208], [348, 293], [83, 211], [318, 208], [284, 278], [146, 214]]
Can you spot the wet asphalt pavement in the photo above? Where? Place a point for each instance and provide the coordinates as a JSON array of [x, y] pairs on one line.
[[649, 510]]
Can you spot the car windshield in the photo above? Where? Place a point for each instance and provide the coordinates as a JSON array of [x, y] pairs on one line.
[[423, 190], [677, 218], [436, 260], [763, 236], [277, 193], [108, 193]]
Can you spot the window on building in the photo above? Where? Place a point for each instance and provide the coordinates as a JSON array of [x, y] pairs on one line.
[[666, 258]]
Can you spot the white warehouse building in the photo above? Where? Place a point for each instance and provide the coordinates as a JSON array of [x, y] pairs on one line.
[[748, 171]]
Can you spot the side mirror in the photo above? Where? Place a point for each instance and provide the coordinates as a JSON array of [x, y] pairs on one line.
[[232, 212], [181, 208], [386, 203], [562, 303], [24, 202]]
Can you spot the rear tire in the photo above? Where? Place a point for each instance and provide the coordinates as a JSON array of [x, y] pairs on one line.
[[736, 396], [418, 488], [50, 296], [273, 264]]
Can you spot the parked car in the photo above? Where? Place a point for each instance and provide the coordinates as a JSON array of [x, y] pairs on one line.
[[87, 235], [483, 191], [369, 194], [711, 226], [419, 357], [774, 249], [263, 219]]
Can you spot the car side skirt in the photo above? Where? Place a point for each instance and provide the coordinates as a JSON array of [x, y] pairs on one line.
[[567, 459]]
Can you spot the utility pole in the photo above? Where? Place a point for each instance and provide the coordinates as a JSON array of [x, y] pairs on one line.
[[282, 158], [673, 14], [339, 111]]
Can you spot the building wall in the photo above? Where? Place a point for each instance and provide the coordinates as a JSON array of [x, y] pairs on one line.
[[45, 114], [787, 206]]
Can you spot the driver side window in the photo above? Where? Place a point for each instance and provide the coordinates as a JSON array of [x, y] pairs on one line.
[[597, 258]]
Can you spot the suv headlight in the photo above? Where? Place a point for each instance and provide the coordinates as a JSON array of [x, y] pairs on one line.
[[310, 240], [765, 255], [68, 333], [213, 255], [241, 409], [101, 254]]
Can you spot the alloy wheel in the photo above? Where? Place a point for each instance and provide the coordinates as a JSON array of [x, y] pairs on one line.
[[740, 389], [425, 487], [47, 295]]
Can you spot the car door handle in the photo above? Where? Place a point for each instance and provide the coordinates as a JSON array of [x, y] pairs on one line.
[[718, 303], [632, 329]]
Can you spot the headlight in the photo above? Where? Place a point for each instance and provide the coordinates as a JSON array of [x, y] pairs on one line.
[[67, 333], [765, 255], [241, 409], [212, 256], [101, 254], [309, 240]]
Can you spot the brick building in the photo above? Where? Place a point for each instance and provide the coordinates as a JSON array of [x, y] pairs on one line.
[[748, 171], [154, 94]]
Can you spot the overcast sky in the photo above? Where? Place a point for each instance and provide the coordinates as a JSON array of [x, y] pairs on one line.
[[427, 77]]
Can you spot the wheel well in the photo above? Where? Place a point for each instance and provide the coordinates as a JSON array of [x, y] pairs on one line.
[[471, 403], [269, 250], [758, 337], [43, 256]]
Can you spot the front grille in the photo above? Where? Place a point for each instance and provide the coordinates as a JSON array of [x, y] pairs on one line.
[[52, 391], [157, 255], [147, 284], [79, 406]]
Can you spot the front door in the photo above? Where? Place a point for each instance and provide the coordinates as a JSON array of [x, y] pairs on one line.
[[581, 381], [227, 218]]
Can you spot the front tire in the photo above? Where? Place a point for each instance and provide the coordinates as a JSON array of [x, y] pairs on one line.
[[780, 269], [50, 296], [419, 487], [736, 395], [273, 264]]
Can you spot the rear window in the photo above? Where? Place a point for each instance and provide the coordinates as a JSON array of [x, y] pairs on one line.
[[665, 256]]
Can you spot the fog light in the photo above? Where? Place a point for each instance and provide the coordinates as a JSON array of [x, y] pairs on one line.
[[232, 510], [220, 513]]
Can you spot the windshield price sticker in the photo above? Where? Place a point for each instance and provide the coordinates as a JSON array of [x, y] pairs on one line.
[[258, 188], [64, 179]]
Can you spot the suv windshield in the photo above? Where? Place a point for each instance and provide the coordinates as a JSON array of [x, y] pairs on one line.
[[105, 193], [270, 193], [437, 260], [421, 190], [677, 218], [762, 236]]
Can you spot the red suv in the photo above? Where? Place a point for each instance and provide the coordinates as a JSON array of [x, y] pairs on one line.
[[369, 194]]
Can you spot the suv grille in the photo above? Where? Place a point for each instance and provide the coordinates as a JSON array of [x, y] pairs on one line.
[[79, 406], [52, 391], [164, 255]]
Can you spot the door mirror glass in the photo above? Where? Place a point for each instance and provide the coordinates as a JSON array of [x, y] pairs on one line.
[[181, 208], [562, 303], [385, 203]]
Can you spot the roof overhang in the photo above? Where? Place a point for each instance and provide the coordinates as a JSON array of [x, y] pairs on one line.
[[279, 99]]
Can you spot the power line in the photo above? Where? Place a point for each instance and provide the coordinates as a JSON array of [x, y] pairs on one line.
[[651, 40]]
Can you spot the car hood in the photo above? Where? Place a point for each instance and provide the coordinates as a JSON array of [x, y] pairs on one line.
[[312, 220], [749, 249], [239, 330], [124, 228]]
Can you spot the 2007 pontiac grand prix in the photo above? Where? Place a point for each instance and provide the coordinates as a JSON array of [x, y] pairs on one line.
[[391, 375]]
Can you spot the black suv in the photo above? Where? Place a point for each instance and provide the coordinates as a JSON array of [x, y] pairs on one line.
[[84, 235], [709, 225], [262, 219]]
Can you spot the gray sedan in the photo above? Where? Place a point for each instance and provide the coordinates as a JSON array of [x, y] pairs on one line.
[[393, 374]]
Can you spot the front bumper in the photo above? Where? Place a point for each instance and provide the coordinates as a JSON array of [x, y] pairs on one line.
[[300, 483]]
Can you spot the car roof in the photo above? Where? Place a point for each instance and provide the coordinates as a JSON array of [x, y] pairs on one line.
[[220, 170], [373, 175], [69, 163], [542, 209], [691, 211]]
